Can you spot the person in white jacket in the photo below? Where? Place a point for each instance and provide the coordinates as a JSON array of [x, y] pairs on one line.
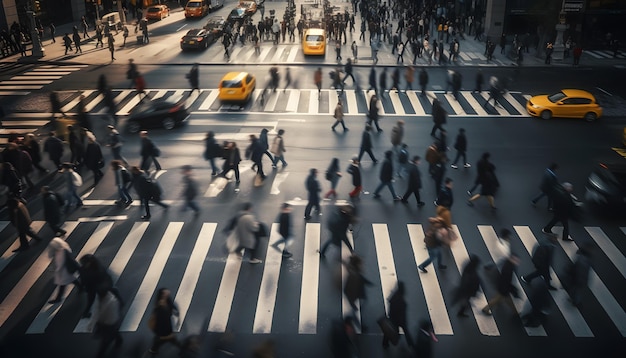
[[503, 245], [59, 251]]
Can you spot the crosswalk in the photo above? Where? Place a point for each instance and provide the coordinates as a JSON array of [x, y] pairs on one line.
[[605, 54], [34, 78], [184, 256]]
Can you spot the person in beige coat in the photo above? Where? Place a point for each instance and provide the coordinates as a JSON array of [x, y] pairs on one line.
[[339, 116], [278, 149], [244, 234]]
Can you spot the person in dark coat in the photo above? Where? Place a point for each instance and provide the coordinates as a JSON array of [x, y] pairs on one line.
[[163, 330], [425, 339], [460, 144], [386, 175], [470, 282], [94, 160], [212, 150], [549, 183], [149, 152], [255, 152], [343, 338], [504, 285], [433, 244], [284, 229], [372, 81], [483, 166], [439, 117], [423, 80], [31, 146], [313, 189], [55, 104], [372, 114], [10, 178], [445, 197], [232, 158], [382, 81], [357, 182], [76, 146], [578, 273], [397, 314], [565, 204], [83, 116], [414, 183], [194, 78], [479, 81], [20, 218], [52, 209], [488, 185], [366, 144], [265, 143], [540, 297], [146, 190], [54, 147], [338, 224], [20, 160], [190, 190], [354, 288], [93, 277], [542, 259]]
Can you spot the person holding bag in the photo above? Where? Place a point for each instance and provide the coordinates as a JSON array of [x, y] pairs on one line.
[[65, 267], [244, 234], [433, 243]]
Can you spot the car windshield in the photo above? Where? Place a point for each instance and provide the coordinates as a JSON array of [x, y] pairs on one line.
[[194, 32], [231, 83], [193, 4], [312, 38], [237, 12], [556, 97], [154, 9]]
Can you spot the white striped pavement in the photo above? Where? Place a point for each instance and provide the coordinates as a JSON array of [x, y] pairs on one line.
[[269, 286], [307, 321], [9, 255], [609, 248], [386, 264], [346, 309]]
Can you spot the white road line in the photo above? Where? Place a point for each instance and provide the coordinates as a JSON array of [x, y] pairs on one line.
[[595, 54], [93, 103], [501, 111], [486, 324], [386, 264], [19, 291], [271, 102], [71, 104], [333, 98], [292, 102], [307, 323], [189, 101], [277, 54], [13, 93], [608, 247], [208, 101], [144, 295], [36, 77], [34, 82], [352, 106], [48, 311], [118, 264], [293, 52], [215, 188], [613, 308], [34, 123], [464, 56], [236, 51], [278, 179], [430, 284], [178, 95], [20, 87], [456, 106], [120, 97], [415, 103], [159, 94], [314, 102], [572, 315], [9, 255], [263, 54], [518, 106], [346, 309], [47, 72], [269, 287], [490, 238], [225, 294], [395, 101], [124, 111], [474, 103], [192, 272]]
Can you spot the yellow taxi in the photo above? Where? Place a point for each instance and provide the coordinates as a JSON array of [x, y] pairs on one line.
[[196, 9], [567, 103], [314, 42], [157, 12], [249, 6], [236, 87]]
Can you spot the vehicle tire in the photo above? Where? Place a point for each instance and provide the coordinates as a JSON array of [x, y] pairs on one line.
[[168, 123], [590, 117], [133, 127], [546, 114]]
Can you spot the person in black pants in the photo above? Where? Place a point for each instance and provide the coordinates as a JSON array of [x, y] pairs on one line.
[[373, 113], [439, 117], [397, 314], [313, 188], [414, 183], [460, 144], [542, 259], [366, 144], [147, 190], [338, 225], [149, 152], [564, 206]]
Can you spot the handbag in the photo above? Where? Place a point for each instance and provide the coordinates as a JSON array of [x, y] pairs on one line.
[[70, 263], [389, 329]]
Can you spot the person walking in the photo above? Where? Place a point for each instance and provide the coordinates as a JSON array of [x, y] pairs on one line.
[[287, 79], [115, 142], [338, 115], [194, 78], [488, 186], [483, 168], [54, 147], [333, 174], [64, 274], [348, 70], [397, 136], [232, 158], [439, 117], [372, 114], [255, 153], [355, 171], [317, 79], [386, 175], [53, 31], [20, 218], [105, 324], [445, 197], [31, 146], [423, 80], [67, 42], [278, 149], [77, 148], [432, 239], [355, 52], [549, 182], [140, 87], [372, 81], [94, 160], [21, 162], [190, 190], [124, 35], [73, 181], [460, 144], [414, 183], [549, 50], [132, 72], [52, 210], [366, 144], [212, 151], [161, 321], [85, 27], [111, 45], [338, 223], [565, 204], [397, 314], [479, 81], [94, 278], [578, 273], [409, 75], [542, 259], [55, 104], [354, 288], [122, 182], [504, 285], [244, 234], [147, 189], [76, 39], [148, 152], [425, 338], [382, 81], [468, 287], [265, 144], [284, 229], [313, 189]]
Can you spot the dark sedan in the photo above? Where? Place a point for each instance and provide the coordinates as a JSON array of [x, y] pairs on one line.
[[215, 27], [606, 186], [198, 39], [237, 15], [159, 113]]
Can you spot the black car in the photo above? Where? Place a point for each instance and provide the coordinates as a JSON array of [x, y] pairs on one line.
[[237, 15], [196, 39], [606, 185], [215, 27], [159, 113]]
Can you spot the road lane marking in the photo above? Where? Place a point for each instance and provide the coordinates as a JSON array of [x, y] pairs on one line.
[[9, 255], [269, 286], [386, 264], [307, 322], [225, 294]]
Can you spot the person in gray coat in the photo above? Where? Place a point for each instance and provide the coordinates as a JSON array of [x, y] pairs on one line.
[[244, 233]]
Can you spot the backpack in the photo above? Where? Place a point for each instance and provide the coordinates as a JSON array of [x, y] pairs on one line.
[[126, 178]]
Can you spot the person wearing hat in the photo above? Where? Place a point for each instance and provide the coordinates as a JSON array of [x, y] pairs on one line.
[[190, 190]]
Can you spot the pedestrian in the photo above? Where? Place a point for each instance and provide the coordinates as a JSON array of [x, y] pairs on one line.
[[64, 273], [287, 79], [395, 80], [21, 162], [354, 288], [73, 181], [212, 150], [278, 149], [123, 180], [144, 30], [147, 189], [67, 41], [577, 274], [124, 34], [317, 79], [433, 241], [85, 27], [338, 51], [355, 52], [160, 321], [445, 197], [366, 144], [386, 176], [414, 183], [190, 190], [244, 234], [348, 70], [565, 207], [483, 167], [76, 39], [132, 72], [338, 115], [313, 189], [140, 87], [578, 52], [94, 278], [333, 174], [382, 81], [111, 45], [107, 321], [372, 81], [423, 80], [425, 338], [549, 50], [460, 144], [488, 186], [20, 218], [372, 114], [542, 260], [494, 91], [504, 285], [549, 183], [343, 338], [439, 117], [194, 78], [115, 142], [397, 314], [503, 249], [232, 158], [255, 153], [52, 209], [339, 221], [469, 285], [55, 103], [94, 160], [265, 144], [109, 102], [479, 81], [54, 147], [53, 31], [77, 149], [540, 308], [397, 136], [31, 146], [409, 75], [355, 171], [284, 229], [149, 152]]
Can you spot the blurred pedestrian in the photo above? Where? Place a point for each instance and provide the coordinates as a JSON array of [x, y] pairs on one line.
[[149, 152], [313, 189], [73, 181], [445, 197], [115, 142], [85, 27], [161, 321], [372, 81], [232, 158], [414, 182], [212, 150], [284, 229], [504, 285], [366, 144], [54, 147], [93, 278], [409, 75], [338, 115], [94, 160], [106, 323], [20, 218], [540, 308], [194, 78], [140, 87], [339, 221], [386, 176], [333, 174], [123, 180], [76, 38], [53, 210], [111, 45], [77, 148], [469, 285], [433, 242], [244, 234], [484, 168], [397, 314], [343, 338], [317, 79], [255, 152], [278, 149], [565, 206], [55, 103], [124, 34], [372, 114], [354, 288], [355, 170], [53, 31], [67, 41], [479, 81], [460, 144], [548, 186], [132, 72], [64, 272], [425, 338], [287, 79], [577, 274], [488, 186], [147, 189], [423, 80], [542, 259], [265, 144], [190, 190], [31, 146], [439, 117]]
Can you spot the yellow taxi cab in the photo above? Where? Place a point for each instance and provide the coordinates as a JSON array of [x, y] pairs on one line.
[[249, 6], [567, 103], [157, 12], [196, 9], [236, 87], [314, 42]]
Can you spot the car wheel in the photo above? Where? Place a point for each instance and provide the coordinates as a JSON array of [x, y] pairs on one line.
[[168, 123], [546, 114], [133, 127], [590, 117]]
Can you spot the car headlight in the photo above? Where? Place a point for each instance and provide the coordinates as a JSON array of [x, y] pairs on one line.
[[535, 106]]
